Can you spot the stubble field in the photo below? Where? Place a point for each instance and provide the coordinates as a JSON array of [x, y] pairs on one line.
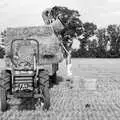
[[77, 103]]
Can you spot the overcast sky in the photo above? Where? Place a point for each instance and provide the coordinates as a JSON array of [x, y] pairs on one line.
[[28, 12]]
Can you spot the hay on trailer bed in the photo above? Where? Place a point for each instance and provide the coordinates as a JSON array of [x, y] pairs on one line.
[[49, 45]]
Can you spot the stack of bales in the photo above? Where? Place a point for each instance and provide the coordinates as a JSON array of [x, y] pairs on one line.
[[49, 45]]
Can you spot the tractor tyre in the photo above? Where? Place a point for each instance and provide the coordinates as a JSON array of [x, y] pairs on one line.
[[3, 99], [44, 86], [5, 87], [6, 80]]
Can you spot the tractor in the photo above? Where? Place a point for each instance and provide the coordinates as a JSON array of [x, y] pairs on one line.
[[32, 56]]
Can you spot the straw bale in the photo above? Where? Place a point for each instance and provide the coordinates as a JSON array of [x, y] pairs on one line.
[[49, 46]]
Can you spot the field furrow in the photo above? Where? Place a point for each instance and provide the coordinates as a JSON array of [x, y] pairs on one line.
[[78, 102]]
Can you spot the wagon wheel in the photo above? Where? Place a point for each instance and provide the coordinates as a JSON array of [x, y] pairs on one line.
[[53, 78]]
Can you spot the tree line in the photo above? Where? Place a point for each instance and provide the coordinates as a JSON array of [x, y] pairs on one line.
[[94, 42], [99, 43]]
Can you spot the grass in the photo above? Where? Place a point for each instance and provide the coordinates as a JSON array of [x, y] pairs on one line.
[[70, 104]]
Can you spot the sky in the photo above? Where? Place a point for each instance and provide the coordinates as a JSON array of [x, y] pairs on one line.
[[15, 13]]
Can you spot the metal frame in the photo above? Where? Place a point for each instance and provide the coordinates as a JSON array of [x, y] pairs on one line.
[[11, 50], [37, 59]]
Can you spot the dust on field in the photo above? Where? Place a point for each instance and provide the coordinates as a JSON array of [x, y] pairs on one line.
[[76, 103]]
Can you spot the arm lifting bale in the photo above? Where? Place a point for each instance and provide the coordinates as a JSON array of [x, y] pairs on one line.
[[58, 26]]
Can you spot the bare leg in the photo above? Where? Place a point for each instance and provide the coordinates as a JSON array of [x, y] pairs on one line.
[[69, 71]]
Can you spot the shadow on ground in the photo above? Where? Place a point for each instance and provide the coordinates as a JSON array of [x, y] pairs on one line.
[[27, 104], [59, 79]]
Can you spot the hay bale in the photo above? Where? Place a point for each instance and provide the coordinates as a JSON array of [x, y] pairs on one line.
[[57, 25], [49, 47]]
